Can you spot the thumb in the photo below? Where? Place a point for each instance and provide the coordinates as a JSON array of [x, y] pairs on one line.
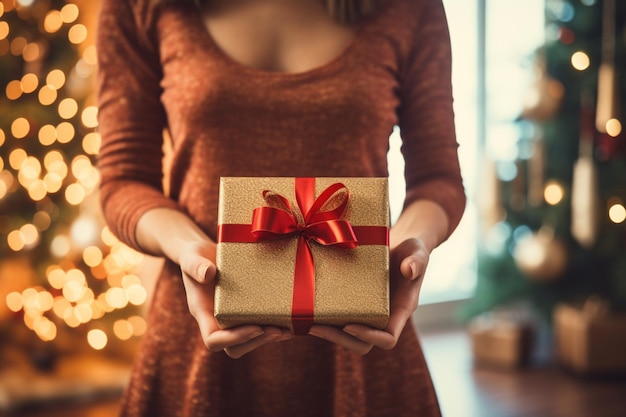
[[198, 268]]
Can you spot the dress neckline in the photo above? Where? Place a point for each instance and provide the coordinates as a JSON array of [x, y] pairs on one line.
[[336, 62]]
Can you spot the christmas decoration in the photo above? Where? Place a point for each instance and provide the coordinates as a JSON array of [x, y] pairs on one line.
[[541, 256], [63, 275], [566, 239]]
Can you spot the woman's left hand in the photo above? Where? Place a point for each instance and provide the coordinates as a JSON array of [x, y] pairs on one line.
[[408, 264]]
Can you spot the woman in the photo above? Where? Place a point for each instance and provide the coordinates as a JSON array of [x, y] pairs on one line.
[[272, 88]]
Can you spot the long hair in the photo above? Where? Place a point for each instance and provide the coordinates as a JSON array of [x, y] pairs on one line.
[[342, 11]]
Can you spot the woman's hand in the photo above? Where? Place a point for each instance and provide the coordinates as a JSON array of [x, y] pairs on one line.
[[408, 264], [199, 279]]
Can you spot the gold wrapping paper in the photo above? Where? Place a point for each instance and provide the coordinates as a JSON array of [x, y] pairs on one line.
[[255, 280]]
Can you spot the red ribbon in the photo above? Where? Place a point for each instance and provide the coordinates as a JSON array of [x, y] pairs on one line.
[[323, 226]]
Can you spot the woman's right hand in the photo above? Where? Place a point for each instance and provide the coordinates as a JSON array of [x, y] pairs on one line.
[[198, 273]]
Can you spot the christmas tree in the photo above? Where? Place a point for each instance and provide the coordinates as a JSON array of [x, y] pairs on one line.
[[63, 275], [555, 227]]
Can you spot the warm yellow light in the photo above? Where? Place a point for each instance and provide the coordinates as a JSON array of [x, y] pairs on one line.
[[52, 157], [68, 108], [69, 13], [47, 135], [53, 21], [129, 280], [76, 275], [553, 193], [77, 34], [30, 168], [92, 255], [580, 61], [90, 55], [139, 325], [613, 128], [20, 128], [617, 213], [75, 194], [108, 237], [73, 291], [116, 297], [90, 117], [45, 329], [53, 182], [31, 52], [97, 310], [91, 143], [81, 166], [55, 79], [29, 83], [4, 29], [65, 132], [122, 329], [83, 312], [37, 190], [17, 45], [4, 189], [30, 234], [45, 301], [15, 240], [60, 246], [136, 294], [83, 69], [70, 318], [29, 298], [2, 137], [13, 90], [97, 339], [16, 158], [14, 300], [1, 9], [47, 95], [56, 278], [61, 307]]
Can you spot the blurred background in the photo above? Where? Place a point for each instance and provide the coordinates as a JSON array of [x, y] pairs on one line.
[[530, 290]]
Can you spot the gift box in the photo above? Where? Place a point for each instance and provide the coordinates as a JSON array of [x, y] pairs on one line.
[[590, 339], [292, 252], [501, 342]]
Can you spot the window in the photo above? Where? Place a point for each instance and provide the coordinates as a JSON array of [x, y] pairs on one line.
[[491, 45]]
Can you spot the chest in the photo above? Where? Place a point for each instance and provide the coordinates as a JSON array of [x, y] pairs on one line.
[[276, 35]]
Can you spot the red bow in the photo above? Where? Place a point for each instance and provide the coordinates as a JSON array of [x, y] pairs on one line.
[[325, 227]]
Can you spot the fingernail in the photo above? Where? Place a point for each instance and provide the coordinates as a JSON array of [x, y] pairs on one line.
[[413, 267], [349, 331], [314, 332]]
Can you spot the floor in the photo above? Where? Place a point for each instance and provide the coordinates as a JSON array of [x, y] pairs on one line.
[[466, 390]]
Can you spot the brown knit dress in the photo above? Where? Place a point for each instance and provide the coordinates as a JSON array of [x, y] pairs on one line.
[[160, 69]]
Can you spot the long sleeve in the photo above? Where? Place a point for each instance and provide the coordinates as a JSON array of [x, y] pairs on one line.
[[131, 118], [426, 117]]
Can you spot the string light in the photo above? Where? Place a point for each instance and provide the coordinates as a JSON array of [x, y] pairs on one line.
[[553, 193], [97, 339], [613, 127], [70, 301], [580, 61], [617, 213]]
